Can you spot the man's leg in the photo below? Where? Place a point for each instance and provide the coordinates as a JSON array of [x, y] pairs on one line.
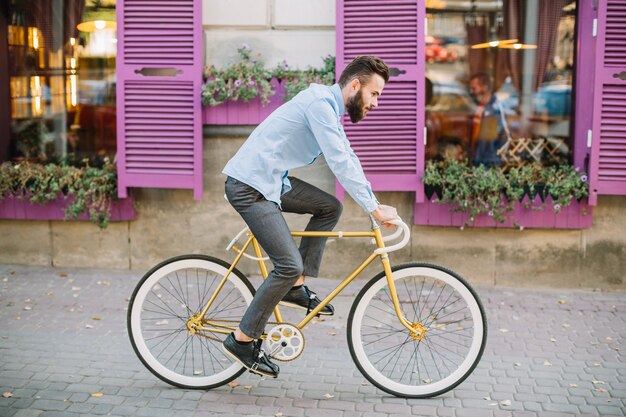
[[325, 209], [268, 225], [304, 198]]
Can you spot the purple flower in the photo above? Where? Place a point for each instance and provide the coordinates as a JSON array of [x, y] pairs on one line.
[[490, 214], [577, 169], [557, 207], [237, 83], [583, 178], [251, 83]]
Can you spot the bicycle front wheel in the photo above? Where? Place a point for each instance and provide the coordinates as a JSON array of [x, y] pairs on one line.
[[436, 358], [160, 307]]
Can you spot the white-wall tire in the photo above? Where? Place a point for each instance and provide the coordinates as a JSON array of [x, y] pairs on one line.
[[456, 331], [162, 301]]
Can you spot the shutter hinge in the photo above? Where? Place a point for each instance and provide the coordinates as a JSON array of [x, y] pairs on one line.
[[589, 137], [425, 133], [595, 27]]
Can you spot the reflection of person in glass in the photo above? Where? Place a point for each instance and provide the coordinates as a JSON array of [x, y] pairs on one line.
[[487, 127]]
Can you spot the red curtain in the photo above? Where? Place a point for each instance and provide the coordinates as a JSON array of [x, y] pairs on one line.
[[550, 13], [509, 61], [477, 59]]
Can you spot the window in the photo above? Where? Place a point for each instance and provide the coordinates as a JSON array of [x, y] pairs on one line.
[[500, 76], [61, 78]]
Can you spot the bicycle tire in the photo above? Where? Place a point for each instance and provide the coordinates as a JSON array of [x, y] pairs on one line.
[[466, 341], [158, 298]]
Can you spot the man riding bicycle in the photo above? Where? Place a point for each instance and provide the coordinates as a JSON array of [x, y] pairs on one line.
[[259, 188]]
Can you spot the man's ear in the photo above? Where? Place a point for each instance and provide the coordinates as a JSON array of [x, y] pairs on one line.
[[355, 84]]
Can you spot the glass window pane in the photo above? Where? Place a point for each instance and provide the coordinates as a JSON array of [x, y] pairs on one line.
[[501, 75], [62, 80]]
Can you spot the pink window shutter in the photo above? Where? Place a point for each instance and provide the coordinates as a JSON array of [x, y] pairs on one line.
[[159, 76], [608, 149], [389, 142]]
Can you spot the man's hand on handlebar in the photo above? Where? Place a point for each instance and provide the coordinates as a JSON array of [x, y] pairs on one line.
[[385, 214]]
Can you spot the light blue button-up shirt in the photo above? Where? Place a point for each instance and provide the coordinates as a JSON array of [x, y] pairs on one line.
[[293, 136]]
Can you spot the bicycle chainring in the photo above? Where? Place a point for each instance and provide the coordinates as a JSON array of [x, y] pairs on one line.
[[284, 342]]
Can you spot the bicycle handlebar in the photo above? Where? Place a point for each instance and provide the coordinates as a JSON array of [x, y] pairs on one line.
[[402, 228]]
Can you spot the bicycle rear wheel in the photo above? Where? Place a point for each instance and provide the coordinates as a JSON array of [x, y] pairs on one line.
[[417, 366], [163, 301]]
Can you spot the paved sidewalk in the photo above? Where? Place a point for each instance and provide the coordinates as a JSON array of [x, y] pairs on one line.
[[63, 339]]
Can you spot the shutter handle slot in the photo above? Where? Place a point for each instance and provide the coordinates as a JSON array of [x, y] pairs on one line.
[[159, 72], [394, 72], [621, 75]]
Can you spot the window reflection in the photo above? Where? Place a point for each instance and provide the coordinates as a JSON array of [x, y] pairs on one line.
[[61, 58], [501, 75]]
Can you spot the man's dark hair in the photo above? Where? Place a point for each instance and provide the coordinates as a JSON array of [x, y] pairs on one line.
[[483, 78], [362, 67]]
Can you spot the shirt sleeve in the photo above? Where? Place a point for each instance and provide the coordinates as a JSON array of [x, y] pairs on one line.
[[340, 157]]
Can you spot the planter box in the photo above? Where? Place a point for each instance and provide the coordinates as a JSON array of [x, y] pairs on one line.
[[575, 216], [22, 209], [242, 113]]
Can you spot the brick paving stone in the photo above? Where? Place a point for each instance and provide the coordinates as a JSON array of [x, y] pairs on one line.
[[470, 412], [27, 413], [50, 405]]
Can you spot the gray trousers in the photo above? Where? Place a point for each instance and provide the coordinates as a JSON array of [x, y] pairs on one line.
[[265, 220]]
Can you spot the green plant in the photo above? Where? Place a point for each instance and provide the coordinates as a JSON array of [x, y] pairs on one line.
[[249, 78], [296, 80], [90, 189], [479, 190], [244, 80]]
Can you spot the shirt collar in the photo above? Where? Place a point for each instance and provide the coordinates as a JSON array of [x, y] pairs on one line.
[[339, 98]]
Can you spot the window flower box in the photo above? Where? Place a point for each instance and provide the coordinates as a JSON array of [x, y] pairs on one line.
[[526, 196], [14, 208], [240, 112], [33, 191], [577, 215]]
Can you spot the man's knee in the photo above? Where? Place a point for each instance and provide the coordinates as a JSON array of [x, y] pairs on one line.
[[332, 207], [291, 269]]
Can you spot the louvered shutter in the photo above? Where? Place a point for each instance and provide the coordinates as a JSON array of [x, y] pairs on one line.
[[608, 150], [159, 74], [389, 141]]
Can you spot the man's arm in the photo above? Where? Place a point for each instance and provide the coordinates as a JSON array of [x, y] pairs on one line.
[[342, 161]]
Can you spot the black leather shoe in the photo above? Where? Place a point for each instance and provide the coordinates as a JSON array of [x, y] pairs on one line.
[[251, 356], [305, 299]]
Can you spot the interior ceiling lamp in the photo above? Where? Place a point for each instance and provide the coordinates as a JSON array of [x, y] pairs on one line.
[[518, 46], [495, 43], [95, 25]]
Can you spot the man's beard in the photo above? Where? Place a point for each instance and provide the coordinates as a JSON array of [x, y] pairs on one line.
[[355, 107]]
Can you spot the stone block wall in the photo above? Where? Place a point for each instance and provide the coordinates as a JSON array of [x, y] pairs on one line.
[[301, 32]]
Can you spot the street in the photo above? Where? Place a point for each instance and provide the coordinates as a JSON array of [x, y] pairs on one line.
[[64, 351]]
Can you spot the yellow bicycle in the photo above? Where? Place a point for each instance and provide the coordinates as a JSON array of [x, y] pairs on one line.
[[415, 330]]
